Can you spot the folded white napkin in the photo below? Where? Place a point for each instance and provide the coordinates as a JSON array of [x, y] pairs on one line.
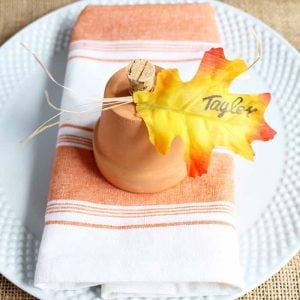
[[180, 242]]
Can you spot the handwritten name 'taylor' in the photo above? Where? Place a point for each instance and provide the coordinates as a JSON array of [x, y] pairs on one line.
[[214, 102]]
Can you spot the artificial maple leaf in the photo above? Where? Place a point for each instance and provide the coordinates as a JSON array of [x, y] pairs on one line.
[[203, 113]]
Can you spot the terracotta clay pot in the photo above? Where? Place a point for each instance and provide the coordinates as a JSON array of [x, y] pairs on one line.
[[123, 152]]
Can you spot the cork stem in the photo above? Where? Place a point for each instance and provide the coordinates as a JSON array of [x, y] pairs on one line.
[[141, 75]]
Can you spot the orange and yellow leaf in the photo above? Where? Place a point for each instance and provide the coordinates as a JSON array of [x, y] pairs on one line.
[[203, 113]]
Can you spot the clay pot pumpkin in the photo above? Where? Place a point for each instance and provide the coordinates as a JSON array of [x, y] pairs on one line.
[[123, 151]]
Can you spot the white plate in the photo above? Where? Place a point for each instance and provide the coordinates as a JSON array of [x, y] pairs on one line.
[[267, 193]]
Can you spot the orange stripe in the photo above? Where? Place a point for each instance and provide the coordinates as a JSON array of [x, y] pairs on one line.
[[130, 59], [75, 168], [77, 126], [158, 22], [76, 137], [148, 210], [136, 226], [130, 211], [72, 143], [69, 140], [75, 140], [83, 212], [112, 213]]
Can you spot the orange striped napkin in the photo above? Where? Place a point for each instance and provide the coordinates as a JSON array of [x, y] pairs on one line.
[[180, 242]]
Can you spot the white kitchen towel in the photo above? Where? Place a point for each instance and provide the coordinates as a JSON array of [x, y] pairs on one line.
[[180, 242]]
